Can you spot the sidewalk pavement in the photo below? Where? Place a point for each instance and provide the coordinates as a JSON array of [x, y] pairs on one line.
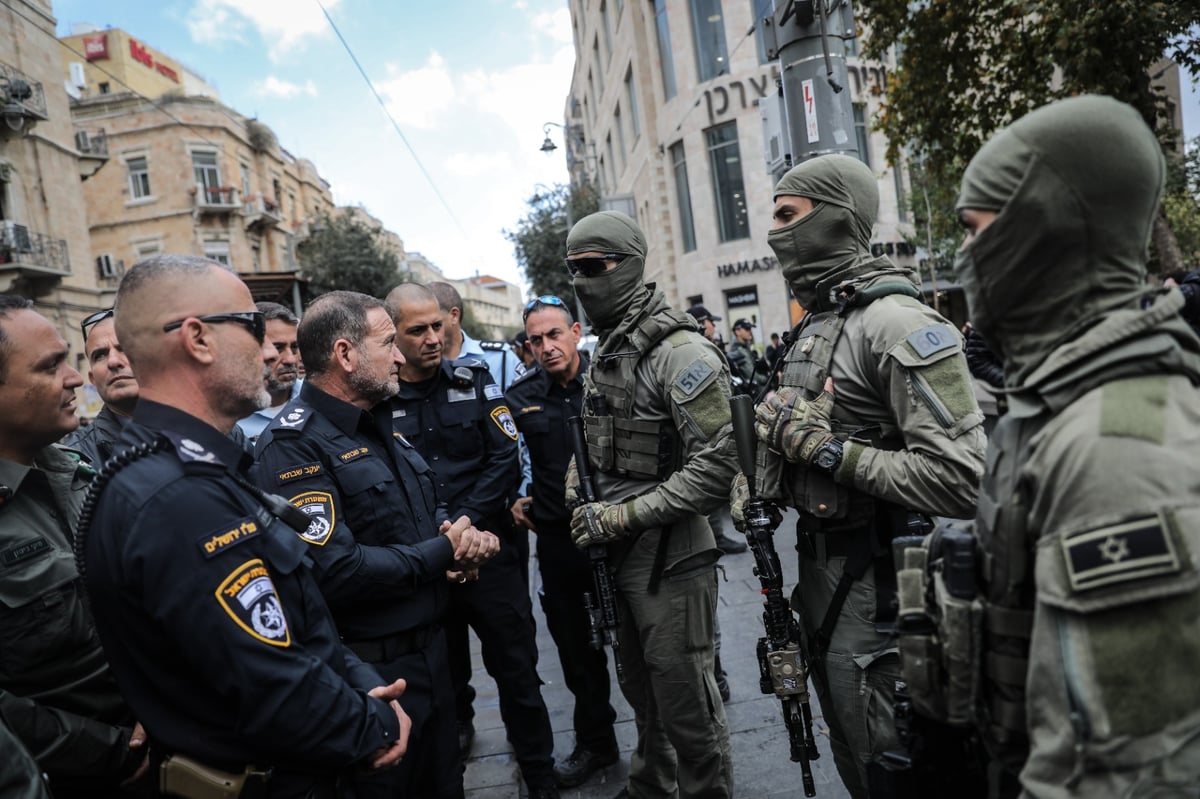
[[761, 765]]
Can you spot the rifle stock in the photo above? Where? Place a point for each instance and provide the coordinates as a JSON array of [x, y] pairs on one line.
[[602, 615], [782, 665]]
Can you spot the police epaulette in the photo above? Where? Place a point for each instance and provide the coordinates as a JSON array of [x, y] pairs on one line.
[[526, 376], [190, 451], [493, 346], [469, 362], [292, 417]]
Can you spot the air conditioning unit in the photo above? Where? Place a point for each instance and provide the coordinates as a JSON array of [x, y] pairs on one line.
[[16, 236], [106, 267], [82, 143]]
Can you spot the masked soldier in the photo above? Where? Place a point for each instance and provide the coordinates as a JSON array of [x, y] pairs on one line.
[[656, 417], [874, 422], [1089, 517]]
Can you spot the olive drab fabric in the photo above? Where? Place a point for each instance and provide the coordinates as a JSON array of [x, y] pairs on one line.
[[1089, 517], [608, 297], [912, 438]]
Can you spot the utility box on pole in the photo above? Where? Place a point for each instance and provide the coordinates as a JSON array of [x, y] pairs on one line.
[[811, 115]]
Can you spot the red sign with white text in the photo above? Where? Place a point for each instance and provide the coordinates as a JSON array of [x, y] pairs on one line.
[[141, 54], [95, 47]]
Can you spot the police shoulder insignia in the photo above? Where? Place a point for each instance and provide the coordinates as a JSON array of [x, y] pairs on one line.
[[1131, 550], [492, 391], [503, 419], [192, 452], [297, 472], [932, 338], [318, 505], [460, 394], [227, 535], [694, 376], [249, 597], [294, 419]]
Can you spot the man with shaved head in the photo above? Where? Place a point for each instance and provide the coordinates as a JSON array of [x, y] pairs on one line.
[[382, 544], [203, 597]]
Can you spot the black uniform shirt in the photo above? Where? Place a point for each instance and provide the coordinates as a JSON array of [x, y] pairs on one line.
[[380, 560], [96, 440], [466, 433], [207, 610], [541, 408]]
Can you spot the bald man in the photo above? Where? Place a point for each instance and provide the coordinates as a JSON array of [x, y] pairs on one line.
[[203, 598]]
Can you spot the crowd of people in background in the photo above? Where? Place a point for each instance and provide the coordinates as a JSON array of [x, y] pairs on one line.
[[256, 571]]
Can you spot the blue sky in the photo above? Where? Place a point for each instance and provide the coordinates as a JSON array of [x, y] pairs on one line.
[[470, 83]]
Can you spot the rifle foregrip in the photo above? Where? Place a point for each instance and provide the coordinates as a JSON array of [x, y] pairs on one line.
[[582, 467], [741, 408]]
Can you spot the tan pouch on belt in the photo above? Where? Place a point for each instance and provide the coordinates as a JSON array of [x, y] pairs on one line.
[[183, 777]]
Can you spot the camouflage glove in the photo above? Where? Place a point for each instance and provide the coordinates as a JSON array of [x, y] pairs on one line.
[[739, 495], [572, 498], [792, 426], [597, 523]]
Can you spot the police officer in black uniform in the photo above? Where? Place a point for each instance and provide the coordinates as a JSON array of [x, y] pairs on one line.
[[542, 401], [454, 414], [204, 601], [375, 535]]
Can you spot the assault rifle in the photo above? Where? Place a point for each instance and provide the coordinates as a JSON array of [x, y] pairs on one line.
[[782, 666], [602, 615]]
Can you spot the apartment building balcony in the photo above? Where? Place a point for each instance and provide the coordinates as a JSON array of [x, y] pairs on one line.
[[261, 212], [22, 100], [93, 151], [30, 257], [216, 199]]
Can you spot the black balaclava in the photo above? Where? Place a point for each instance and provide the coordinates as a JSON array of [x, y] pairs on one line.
[[607, 297], [1076, 185]]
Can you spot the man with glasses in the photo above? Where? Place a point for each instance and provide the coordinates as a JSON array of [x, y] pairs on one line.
[[541, 402], [56, 687], [203, 597], [281, 375], [114, 381], [379, 535], [656, 417], [454, 414]]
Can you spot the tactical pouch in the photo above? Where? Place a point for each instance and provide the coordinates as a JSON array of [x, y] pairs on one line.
[[940, 640], [184, 777], [598, 431]]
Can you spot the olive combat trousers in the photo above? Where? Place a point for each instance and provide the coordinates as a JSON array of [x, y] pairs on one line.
[[856, 680], [667, 652]]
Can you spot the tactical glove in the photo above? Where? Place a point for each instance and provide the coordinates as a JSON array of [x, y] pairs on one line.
[[739, 495], [597, 523], [792, 426], [572, 498]]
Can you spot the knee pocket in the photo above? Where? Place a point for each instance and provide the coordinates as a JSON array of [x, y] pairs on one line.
[[863, 689]]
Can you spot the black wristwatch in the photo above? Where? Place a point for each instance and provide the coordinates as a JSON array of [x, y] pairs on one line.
[[828, 456]]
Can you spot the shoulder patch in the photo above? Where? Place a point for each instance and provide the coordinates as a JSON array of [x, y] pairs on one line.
[[694, 376], [296, 472], [294, 419], [249, 597], [1120, 553], [492, 392], [503, 419], [353, 454], [318, 506], [228, 535], [932, 339]]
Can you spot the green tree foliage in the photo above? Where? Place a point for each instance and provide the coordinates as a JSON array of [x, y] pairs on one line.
[[539, 239], [343, 254], [1182, 203], [966, 69]]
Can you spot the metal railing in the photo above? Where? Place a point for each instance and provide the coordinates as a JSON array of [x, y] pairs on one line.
[[35, 103], [217, 198], [21, 246]]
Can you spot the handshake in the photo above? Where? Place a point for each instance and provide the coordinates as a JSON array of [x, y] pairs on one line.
[[472, 548]]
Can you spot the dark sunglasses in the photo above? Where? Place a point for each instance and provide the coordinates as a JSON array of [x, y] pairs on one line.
[[542, 302], [590, 267], [91, 320], [254, 321]]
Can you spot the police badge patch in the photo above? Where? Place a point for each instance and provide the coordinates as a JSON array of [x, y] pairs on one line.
[[318, 505], [504, 421], [249, 597]]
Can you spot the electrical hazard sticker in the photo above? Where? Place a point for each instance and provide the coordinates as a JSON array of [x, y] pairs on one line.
[[504, 421], [318, 506], [249, 597]]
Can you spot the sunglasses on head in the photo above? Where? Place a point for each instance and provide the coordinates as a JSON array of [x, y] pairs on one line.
[[590, 267], [542, 302], [91, 320], [254, 321]]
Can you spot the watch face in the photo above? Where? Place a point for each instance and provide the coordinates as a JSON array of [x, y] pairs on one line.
[[826, 459]]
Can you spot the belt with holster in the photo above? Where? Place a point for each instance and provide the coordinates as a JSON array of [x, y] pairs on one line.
[[390, 647], [188, 778]]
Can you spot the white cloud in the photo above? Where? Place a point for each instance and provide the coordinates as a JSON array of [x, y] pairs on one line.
[[520, 5], [478, 164], [277, 87], [417, 98], [282, 24], [555, 24]]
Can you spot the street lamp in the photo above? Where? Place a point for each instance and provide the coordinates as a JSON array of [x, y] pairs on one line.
[[577, 146]]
